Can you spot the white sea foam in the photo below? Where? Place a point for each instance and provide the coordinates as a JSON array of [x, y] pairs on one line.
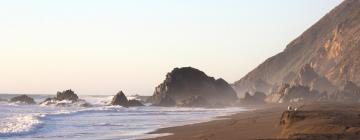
[[20, 125], [27, 122]]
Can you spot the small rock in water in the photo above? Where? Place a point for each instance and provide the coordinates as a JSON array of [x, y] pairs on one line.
[[23, 99], [66, 98], [121, 100]]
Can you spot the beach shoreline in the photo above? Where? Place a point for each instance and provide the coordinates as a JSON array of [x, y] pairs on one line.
[[327, 120], [260, 123]]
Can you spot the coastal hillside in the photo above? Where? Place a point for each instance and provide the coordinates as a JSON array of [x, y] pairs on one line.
[[331, 47]]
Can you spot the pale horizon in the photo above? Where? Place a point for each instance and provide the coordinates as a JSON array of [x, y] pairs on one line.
[[100, 48]]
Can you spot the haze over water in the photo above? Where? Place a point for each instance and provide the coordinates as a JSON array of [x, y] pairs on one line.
[[100, 47]]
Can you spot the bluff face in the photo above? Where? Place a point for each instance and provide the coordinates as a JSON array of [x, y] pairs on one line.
[[331, 47], [183, 85]]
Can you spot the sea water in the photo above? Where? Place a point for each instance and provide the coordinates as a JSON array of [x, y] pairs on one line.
[[39, 122]]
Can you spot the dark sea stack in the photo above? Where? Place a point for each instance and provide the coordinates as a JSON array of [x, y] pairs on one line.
[[194, 101], [66, 95], [331, 46], [23, 99], [121, 100], [183, 83]]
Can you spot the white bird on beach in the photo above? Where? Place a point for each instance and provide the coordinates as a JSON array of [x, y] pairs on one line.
[[289, 108]]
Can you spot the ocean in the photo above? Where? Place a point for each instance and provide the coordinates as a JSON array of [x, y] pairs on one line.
[[100, 122]]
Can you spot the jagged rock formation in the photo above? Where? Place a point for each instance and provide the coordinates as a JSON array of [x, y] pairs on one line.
[[349, 93], [183, 83], [331, 46], [121, 100], [257, 98], [66, 98], [308, 77], [66, 95], [194, 101], [294, 93], [23, 99]]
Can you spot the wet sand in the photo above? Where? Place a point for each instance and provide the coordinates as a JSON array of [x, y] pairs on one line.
[[257, 124]]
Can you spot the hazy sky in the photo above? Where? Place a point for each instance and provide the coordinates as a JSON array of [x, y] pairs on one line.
[[103, 46]]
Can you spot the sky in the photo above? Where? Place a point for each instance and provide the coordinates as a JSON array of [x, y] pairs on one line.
[[103, 46]]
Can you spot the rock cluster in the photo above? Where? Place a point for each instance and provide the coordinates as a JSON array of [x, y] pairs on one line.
[[23, 99], [66, 95], [183, 83], [257, 98], [66, 98], [294, 93], [308, 77], [121, 100]]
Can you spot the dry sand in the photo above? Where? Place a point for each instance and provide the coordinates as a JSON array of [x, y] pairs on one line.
[[315, 121]]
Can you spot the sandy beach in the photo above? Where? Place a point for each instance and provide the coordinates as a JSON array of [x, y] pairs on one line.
[[257, 124], [314, 121]]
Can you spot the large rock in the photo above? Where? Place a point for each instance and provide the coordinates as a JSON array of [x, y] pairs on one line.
[[183, 83], [121, 100], [23, 99], [331, 46], [66, 95]]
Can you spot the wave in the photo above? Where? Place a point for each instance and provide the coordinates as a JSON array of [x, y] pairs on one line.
[[20, 125], [25, 124], [30, 122]]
